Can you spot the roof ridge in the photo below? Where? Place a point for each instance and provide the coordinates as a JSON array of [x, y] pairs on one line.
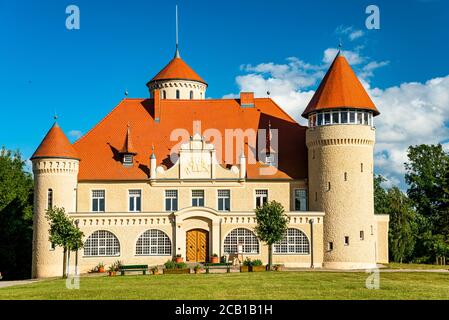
[[282, 110]]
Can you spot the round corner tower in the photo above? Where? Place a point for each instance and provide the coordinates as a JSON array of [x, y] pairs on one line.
[[340, 141], [55, 169]]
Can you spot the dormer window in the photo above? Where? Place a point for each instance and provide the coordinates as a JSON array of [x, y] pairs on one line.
[[127, 159], [177, 94]]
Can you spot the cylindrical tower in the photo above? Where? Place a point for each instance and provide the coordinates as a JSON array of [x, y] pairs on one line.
[[340, 142], [55, 169]]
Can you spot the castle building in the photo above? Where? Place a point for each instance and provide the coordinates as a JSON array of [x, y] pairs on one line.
[[179, 174]]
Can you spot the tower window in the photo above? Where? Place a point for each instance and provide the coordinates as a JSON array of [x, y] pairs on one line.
[[351, 117], [344, 117], [359, 117], [191, 94], [177, 94], [362, 235], [49, 199], [346, 241], [316, 196], [330, 246], [313, 154], [164, 94], [329, 186], [372, 230], [346, 176], [320, 119], [327, 118], [335, 117], [361, 167]]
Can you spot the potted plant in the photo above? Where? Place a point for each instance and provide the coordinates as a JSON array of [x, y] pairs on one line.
[[155, 270], [257, 266], [246, 265], [171, 267], [112, 270], [197, 268], [178, 258], [100, 267], [214, 258]]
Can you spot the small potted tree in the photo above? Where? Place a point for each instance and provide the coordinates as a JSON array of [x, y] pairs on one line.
[[197, 268], [112, 271], [214, 258], [179, 258]]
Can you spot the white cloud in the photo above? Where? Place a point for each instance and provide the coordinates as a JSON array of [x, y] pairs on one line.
[[411, 113], [76, 134], [350, 32]]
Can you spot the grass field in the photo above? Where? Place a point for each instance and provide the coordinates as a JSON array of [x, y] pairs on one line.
[[264, 285]]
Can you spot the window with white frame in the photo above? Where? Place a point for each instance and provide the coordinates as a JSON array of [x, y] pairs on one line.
[[135, 200], [177, 94], [224, 200], [98, 199], [294, 241], [128, 159], [300, 200], [171, 200], [153, 242], [102, 243], [261, 198], [197, 198], [343, 116], [241, 237]]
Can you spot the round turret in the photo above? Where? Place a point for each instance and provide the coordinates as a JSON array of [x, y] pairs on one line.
[[340, 142], [55, 169]]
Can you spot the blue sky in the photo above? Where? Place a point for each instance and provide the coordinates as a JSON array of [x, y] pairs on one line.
[[82, 74]]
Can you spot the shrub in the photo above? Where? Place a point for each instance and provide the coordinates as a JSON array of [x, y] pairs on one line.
[[116, 265], [247, 262], [223, 259], [170, 264], [215, 255], [181, 265], [257, 262]]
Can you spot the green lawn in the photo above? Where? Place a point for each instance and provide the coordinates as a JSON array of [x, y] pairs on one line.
[[264, 285], [394, 265]]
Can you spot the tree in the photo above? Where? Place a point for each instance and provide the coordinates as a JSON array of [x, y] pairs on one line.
[[64, 233], [271, 225], [401, 232], [16, 216], [427, 176], [380, 195]]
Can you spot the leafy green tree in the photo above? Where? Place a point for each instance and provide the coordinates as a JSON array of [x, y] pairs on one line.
[[380, 195], [16, 212], [271, 226], [64, 233], [427, 176], [401, 231]]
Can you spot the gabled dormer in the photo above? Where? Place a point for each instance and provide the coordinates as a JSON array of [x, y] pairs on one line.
[[127, 152]]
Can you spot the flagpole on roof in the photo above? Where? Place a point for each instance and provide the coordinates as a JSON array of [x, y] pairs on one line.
[[177, 43]]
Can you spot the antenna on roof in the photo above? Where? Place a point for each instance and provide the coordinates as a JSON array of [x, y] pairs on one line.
[[55, 116], [340, 46], [177, 43], [126, 92]]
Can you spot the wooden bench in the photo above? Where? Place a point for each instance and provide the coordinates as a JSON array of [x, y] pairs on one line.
[[135, 267], [226, 265]]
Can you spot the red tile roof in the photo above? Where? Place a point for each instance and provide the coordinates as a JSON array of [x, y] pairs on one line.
[[99, 148], [55, 145], [340, 88], [177, 69]]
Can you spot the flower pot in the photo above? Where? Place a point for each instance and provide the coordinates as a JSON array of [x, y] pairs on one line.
[[244, 268], [197, 270], [112, 273], [154, 272], [101, 269], [179, 259], [214, 260], [258, 268]]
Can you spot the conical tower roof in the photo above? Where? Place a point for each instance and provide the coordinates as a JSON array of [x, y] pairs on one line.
[[177, 69], [340, 88], [55, 145]]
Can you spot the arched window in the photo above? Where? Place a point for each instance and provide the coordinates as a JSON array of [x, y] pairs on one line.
[[177, 94], [102, 243], [153, 242], [244, 237], [295, 241], [191, 94]]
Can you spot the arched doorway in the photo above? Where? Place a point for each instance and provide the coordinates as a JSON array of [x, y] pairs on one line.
[[197, 245]]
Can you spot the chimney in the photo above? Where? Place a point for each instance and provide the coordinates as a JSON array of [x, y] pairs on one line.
[[247, 99], [157, 105]]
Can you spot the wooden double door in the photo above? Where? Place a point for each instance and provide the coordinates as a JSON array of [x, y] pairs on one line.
[[197, 245]]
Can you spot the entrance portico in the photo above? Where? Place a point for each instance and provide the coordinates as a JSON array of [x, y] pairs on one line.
[[197, 227]]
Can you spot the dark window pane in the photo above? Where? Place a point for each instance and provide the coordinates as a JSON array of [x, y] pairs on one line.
[[344, 117], [138, 204], [175, 204], [101, 204], [94, 205]]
